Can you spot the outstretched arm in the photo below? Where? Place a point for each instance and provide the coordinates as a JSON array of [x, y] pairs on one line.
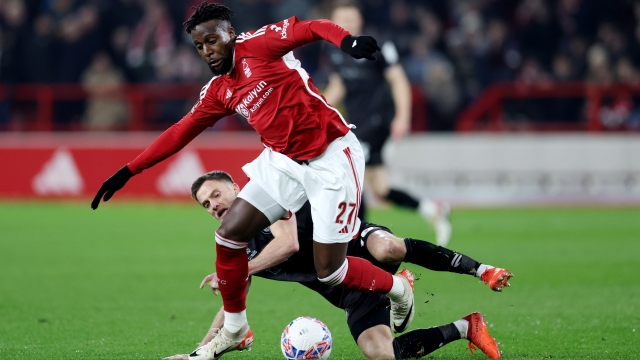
[[167, 144], [275, 40], [205, 113], [401, 93]]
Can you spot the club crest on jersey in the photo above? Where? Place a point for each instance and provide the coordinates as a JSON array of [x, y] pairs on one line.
[[246, 69], [227, 94]]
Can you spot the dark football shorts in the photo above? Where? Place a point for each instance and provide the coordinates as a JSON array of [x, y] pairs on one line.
[[372, 144], [373, 132], [365, 310]]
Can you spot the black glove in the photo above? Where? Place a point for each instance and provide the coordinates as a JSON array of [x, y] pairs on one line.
[[359, 47], [111, 185]]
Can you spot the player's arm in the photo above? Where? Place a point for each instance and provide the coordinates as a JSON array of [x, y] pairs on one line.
[[400, 92], [206, 113], [284, 244], [335, 91], [289, 34]]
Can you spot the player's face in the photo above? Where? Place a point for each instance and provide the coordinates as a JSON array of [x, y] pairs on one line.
[[349, 18], [215, 40], [217, 197]]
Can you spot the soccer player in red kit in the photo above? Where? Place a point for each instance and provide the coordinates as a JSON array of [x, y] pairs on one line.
[[310, 154]]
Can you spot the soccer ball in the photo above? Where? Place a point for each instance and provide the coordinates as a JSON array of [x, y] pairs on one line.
[[306, 338]]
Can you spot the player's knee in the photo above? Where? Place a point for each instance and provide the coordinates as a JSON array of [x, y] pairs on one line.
[[230, 230], [330, 260], [376, 343], [386, 247], [396, 250]]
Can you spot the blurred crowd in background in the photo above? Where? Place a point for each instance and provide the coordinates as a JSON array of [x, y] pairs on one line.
[[450, 49]]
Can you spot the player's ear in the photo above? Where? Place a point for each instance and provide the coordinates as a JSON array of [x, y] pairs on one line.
[[236, 189], [231, 32]]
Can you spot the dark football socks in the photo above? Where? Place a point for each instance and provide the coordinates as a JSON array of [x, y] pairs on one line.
[[420, 342], [437, 258], [403, 199]]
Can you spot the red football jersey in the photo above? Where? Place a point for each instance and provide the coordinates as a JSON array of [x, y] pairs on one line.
[[270, 89]]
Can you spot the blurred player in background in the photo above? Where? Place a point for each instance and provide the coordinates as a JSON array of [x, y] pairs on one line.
[[377, 98], [310, 155], [284, 252]]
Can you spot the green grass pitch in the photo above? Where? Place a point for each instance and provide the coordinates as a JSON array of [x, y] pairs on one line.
[[122, 283]]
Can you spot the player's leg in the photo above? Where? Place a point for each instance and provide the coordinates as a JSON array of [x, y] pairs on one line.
[[387, 248], [384, 246], [253, 210], [368, 320], [241, 223], [368, 316], [333, 186], [420, 342], [438, 258], [377, 343]]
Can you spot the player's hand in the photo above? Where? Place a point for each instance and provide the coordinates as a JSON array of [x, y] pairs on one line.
[[177, 357], [400, 128], [111, 185], [213, 283], [359, 47]]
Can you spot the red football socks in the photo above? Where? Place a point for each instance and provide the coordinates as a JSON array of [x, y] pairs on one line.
[[364, 276], [233, 270]]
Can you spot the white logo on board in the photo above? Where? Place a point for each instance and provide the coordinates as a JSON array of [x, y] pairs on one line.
[[179, 176], [59, 176]]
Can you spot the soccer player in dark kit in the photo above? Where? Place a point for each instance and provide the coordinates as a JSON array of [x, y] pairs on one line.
[[284, 252], [377, 99], [310, 155]]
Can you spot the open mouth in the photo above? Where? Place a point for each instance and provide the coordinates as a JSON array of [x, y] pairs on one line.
[[221, 213], [215, 63]]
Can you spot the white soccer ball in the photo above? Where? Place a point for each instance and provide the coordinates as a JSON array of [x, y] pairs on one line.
[[306, 338]]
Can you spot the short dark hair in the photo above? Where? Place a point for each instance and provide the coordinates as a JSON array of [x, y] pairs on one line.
[[205, 12], [215, 175]]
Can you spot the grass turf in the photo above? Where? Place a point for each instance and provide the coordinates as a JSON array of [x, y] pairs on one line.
[[122, 283]]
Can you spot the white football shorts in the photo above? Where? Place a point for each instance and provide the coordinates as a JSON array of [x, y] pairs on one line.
[[332, 182]]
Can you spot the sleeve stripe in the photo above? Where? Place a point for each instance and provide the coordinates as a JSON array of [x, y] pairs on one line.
[[294, 64], [245, 36]]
